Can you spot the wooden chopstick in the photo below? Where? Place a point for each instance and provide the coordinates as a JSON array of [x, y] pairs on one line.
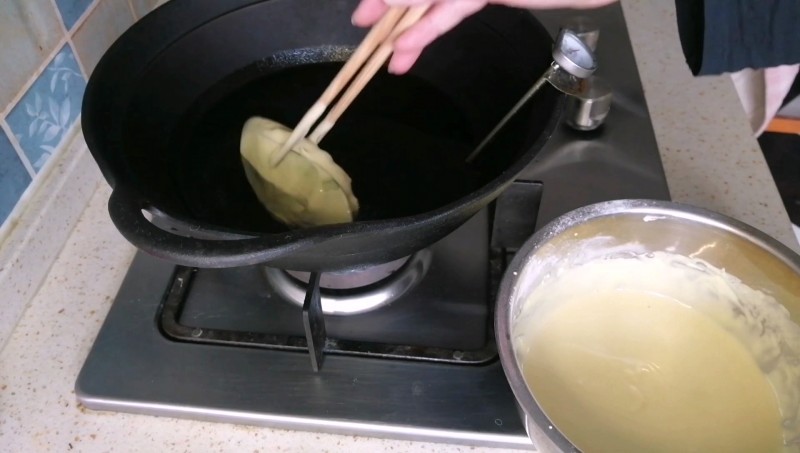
[[369, 70], [375, 36], [381, 36]]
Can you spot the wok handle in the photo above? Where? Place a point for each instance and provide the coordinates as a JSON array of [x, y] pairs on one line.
[[126, 211]]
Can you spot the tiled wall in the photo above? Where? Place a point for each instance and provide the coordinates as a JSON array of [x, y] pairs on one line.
[[48, 48]]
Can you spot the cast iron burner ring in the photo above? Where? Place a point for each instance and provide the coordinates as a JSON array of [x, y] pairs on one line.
[[353, 278], [354, 291]]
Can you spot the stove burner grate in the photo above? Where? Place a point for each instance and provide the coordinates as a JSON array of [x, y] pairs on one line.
[[354, 292], [170, 314]]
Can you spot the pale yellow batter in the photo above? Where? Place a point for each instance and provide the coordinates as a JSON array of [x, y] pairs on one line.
[[661, 353], [307, 188]]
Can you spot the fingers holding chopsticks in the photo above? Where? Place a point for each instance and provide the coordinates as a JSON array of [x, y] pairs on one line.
[[369, 12], [440, 18], [443, 16]]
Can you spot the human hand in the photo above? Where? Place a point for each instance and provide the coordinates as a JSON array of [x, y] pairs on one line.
[[442, 17]]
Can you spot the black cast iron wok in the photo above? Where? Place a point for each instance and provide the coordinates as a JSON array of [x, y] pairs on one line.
[[164, 108]]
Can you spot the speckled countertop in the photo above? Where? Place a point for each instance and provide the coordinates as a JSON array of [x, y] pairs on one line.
[[709, 155]]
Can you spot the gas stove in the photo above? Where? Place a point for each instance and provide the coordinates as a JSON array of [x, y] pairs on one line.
[[403, 350]]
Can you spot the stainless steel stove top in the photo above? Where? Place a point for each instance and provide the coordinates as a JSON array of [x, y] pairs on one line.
[[227, 345]]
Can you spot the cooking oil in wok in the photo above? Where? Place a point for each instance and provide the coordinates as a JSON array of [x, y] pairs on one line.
[[402, 142]]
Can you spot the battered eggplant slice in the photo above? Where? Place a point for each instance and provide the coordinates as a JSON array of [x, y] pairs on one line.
[[307, 188]]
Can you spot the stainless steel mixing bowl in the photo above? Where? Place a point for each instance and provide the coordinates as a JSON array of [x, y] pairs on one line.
[[634, 226]]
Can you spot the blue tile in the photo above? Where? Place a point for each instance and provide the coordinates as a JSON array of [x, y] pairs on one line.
[[49, 108], [72, 10], [14, 179]]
